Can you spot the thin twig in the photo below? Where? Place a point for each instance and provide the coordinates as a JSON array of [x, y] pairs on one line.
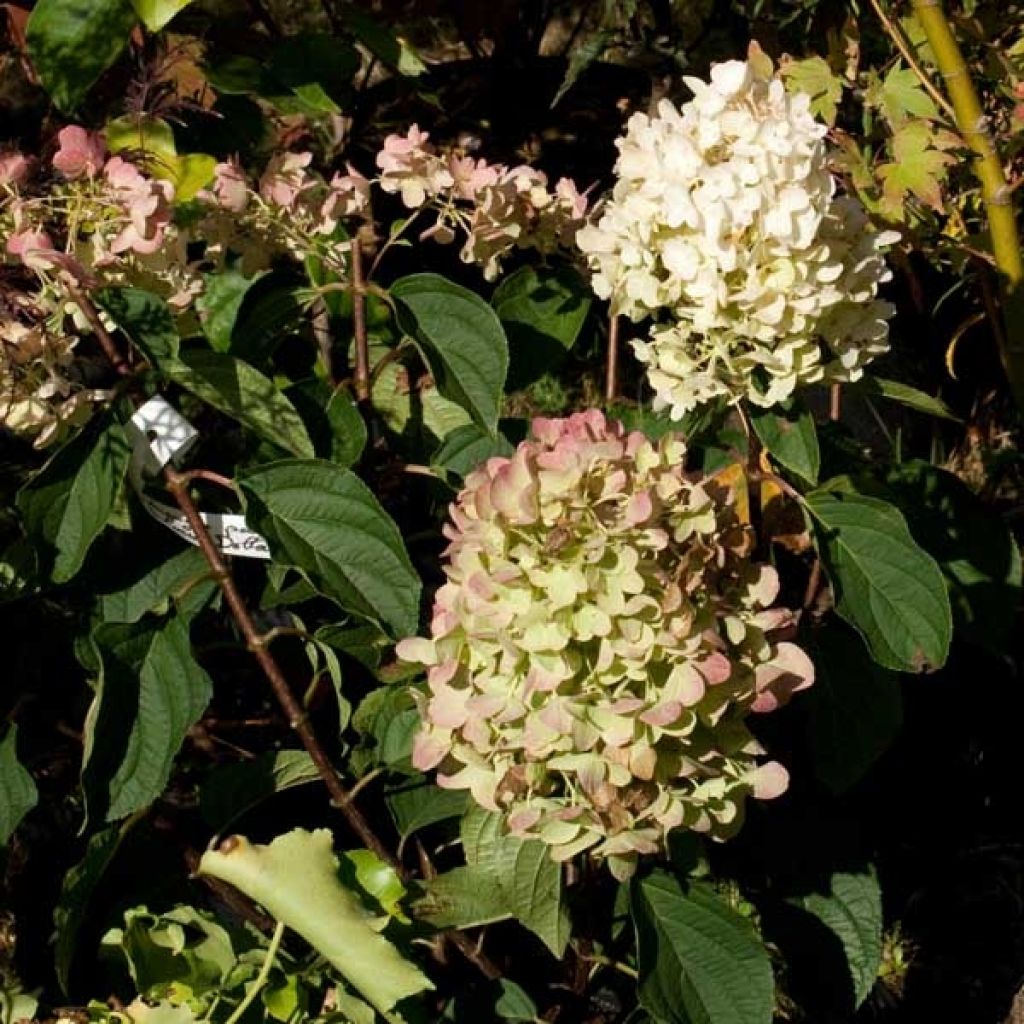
[[210, 477], [611, 382], [261, 979], [361, 379]]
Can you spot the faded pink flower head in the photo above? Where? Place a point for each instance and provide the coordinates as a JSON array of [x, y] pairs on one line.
[[147, 207], [230, 189], [80, 153], [33, 247], [410, 166], [285, 179], [14, 168], [599, 641], [348, 195]]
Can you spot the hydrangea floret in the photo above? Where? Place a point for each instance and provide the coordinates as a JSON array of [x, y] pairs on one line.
[[725, 226], [600, 638]]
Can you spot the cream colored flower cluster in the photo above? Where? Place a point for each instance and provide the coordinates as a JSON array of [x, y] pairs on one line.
[[601, 637], [724, 225]]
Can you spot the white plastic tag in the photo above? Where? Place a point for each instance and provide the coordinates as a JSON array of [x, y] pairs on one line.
[[160, 434]]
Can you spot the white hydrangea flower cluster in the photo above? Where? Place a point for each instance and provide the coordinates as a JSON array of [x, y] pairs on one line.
[[724, 217]]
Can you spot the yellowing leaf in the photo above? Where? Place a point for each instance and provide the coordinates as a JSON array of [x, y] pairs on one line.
[[156, 13], [814, 77], [918, 169], [900, 96]]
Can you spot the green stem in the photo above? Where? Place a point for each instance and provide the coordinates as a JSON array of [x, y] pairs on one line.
[[261, 979], [996, 193]]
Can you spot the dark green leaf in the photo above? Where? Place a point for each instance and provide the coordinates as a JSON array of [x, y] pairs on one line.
[[151, 691], [317, 68], [387, 720], [852, 910], [218, 306], [151, 588], [975, 549], [229, 792], [467, 447], [241, 391], [156, 13], [787, 432], [348, 428], [76, 891], [67, 504], [855, 708], [896, 391], [543, 310], [18, 793], [461, 339], [699, 961], [381, 41], [72, 42], [417, 804], [885, 586], [325, 520], [145, 318], [581, 58]]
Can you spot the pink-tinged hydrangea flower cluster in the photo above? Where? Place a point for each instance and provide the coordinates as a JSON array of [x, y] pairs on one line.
[[725, 226], [497, 208], [600, 638]]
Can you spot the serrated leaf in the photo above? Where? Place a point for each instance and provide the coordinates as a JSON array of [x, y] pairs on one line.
[[218, 306], [467, 447], [787, 431], [296, 879], [918, 168], [543, 310], [72, 42], [461, 339], [76, 891], [145, 318], [427, 409], [67, 504], [18, 793], [854, 709], [151, 691], [852, 911], [901, 96], [348, 428], [226, 793], [885, 586], [240, 390], [699, 961], [973, 546], [897, 391], [151, 587], [324, 520], [814, 77], [417, 805], [581, 57], [504, 877], [156, 13]]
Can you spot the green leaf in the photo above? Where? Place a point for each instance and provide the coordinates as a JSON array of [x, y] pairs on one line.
[[897, 391], [387, 720], [317, 68], [852, 911], [787, 432], [417, 804], [406, 410], [241, 391], [975, 549], [145, 318], [218, 306], [581, 58], [461, 339], [348, 428], [325, 520], [901, 96], [543, 310], [72, 42], [885, 586], [151, 691], [76, 892], [229, 792], [814, 77], [147, 139], [18, 793], [156, 13], [504, 877], [699, 961], [467, 447], [67, 504], [385, 45], [152, 587], [854, 709], [918, 168], [296, 879]]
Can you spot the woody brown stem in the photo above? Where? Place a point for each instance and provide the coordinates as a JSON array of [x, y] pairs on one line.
[[611, 383]]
